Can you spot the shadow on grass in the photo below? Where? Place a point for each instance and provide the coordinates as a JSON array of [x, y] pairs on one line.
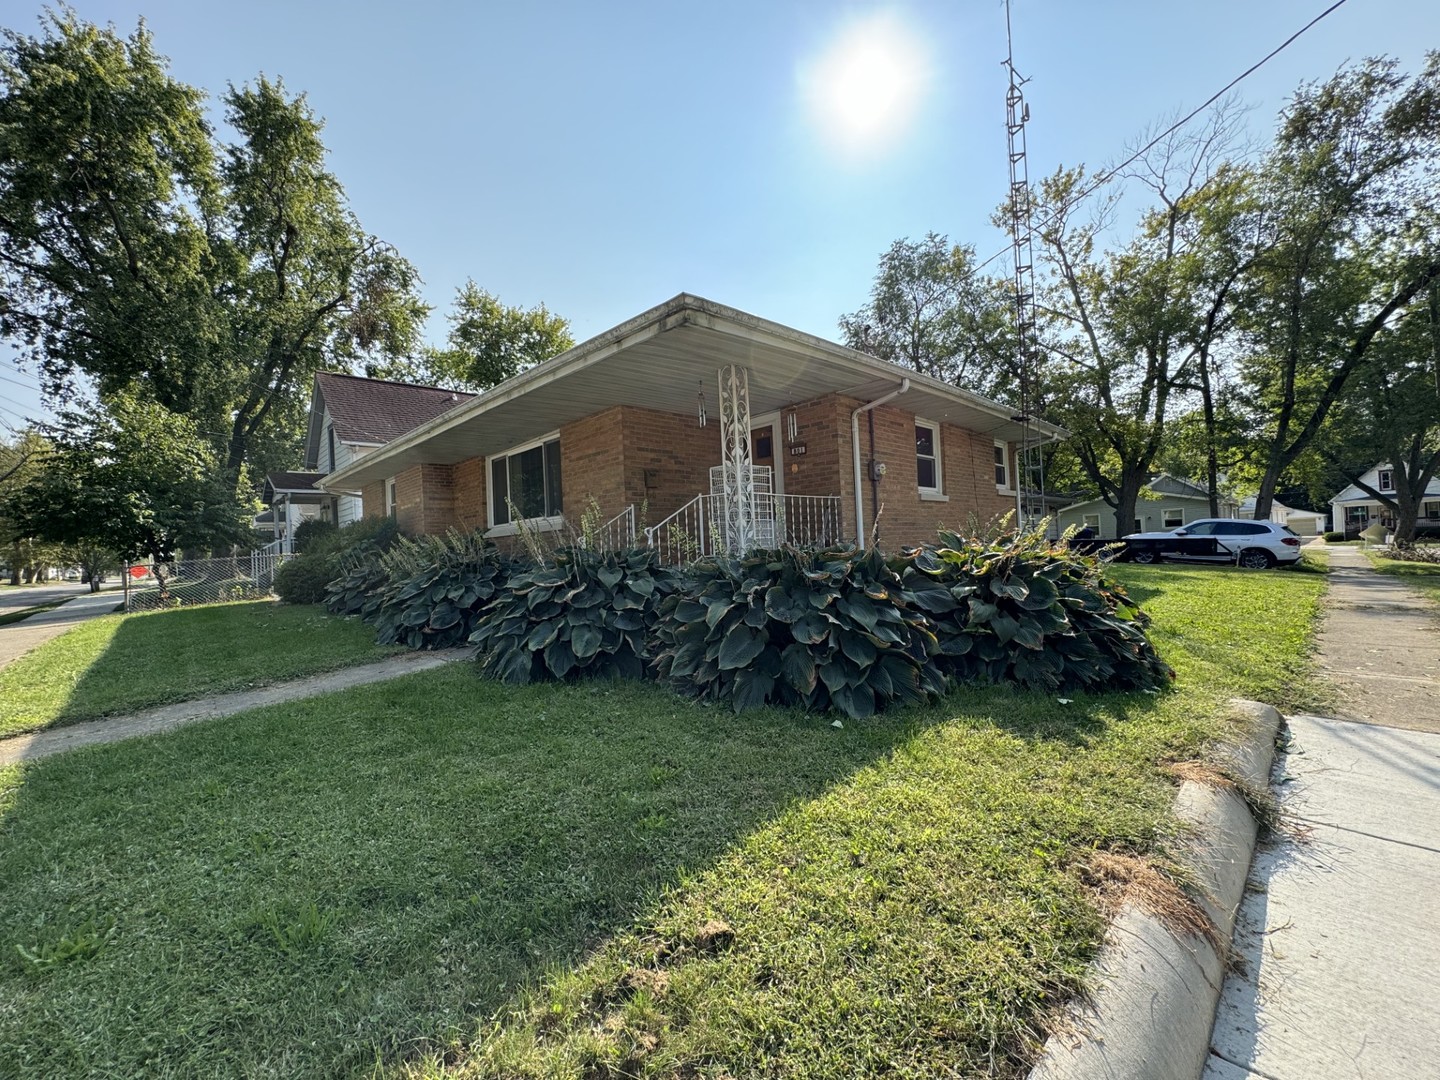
[[302, 890], [116, 666], [367, 876]]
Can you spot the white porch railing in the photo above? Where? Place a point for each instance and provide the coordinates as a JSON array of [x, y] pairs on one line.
[[699, 528], [617, 534]]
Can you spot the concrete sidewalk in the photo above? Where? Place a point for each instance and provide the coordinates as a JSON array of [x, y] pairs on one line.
[[19, 638], [1339, 932], [56, 740], [1379, 646]]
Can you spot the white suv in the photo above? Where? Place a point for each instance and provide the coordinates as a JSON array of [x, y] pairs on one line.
[[1256, 545]]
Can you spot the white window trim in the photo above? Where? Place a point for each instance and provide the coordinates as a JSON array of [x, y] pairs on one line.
[[510, 528], [1090, 521], [1166, 513], [1380, 481], [392, 504], [936, 493], [1007, 488]]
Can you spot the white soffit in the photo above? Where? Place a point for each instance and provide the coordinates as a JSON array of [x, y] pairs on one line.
[[663, 360]]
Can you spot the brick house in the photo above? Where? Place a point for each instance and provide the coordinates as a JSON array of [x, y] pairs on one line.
[[694, 426]]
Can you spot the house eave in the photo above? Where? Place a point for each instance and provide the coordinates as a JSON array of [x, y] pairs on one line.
[[665, 358]]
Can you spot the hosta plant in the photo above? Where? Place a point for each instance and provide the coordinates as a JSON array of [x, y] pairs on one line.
[[437, 588], [360, 586], [829, 627], [582, 614], [1032, 612]]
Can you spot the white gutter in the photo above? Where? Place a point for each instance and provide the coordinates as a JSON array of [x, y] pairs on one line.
[[855, 446]]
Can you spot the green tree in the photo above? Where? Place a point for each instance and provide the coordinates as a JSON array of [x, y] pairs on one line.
[[1124, 331], [136, 480], [1391, 415], [211, 279], [931, 311], [487, 343], [22, 459], [1346, 236]]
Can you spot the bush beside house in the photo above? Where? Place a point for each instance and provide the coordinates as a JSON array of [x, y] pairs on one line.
[[830, 627]]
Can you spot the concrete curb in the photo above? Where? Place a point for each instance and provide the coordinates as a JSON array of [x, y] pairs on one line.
[[1153, 1006]]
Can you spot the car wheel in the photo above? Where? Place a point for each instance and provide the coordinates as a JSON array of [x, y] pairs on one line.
[[1144, 557], [1256, 559]]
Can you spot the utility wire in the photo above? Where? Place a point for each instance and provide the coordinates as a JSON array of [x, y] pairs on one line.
[[1104, 177]]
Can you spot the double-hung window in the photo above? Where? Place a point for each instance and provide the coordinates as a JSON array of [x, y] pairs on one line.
[[390, 497], [525, 483], [1386, 480], [1002, 465], [1172, 519], [927, 456]]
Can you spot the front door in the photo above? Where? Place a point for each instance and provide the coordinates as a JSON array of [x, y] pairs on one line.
[[762, 446]]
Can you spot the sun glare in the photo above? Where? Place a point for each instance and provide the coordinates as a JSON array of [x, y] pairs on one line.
[[865, 86]]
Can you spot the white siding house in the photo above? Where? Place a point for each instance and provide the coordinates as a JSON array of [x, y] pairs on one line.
[[1353, 508]]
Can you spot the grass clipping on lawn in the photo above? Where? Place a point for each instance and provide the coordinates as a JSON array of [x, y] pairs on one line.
[[446, 876]]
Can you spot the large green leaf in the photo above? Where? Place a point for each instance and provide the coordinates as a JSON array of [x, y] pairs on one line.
[[797, 667], [741, 645], [585, 641]]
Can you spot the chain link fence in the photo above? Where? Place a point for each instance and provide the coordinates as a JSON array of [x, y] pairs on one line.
[[151, 586]]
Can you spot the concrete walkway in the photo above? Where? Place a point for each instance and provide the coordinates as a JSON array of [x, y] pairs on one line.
[[1378, 646], [1338, 933], [168, 717], [17, 639]]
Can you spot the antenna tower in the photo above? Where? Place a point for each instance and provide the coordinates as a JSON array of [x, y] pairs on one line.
[[1029, 463]]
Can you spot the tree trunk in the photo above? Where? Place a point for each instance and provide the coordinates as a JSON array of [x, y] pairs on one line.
[[1266, 496], [1126, 496]]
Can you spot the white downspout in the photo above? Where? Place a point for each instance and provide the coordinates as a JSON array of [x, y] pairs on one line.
[[855, 446]]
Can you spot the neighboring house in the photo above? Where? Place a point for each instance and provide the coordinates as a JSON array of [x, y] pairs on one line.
[[293, 498], [350, 417], [1301, 522], [712, 427], [1353, 508], [1167, 502]]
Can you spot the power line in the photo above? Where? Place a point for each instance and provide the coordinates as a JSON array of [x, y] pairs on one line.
[[1104, 177]]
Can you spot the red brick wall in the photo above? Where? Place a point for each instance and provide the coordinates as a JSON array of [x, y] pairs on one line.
[[469, 491], [424, 499], [666, 460], [372, 497], [660, 461], [827, 468], [591, 453]]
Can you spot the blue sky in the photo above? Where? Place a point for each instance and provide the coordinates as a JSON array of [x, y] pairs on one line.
[[601, 157]]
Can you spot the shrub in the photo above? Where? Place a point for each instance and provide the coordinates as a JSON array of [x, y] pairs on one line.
[[822, 628], [302, 580], [435, 589], [1027, 611], [359, 587], [1334, 537], [588, 614], [312, 531]]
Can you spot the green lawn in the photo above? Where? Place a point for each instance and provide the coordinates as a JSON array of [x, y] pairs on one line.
[[1423, 576], [529, 882], [119, 663]]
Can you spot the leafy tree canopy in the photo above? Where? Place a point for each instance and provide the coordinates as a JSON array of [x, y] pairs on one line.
[[488, 342], [211, 278], [929, 310], [135, 479]]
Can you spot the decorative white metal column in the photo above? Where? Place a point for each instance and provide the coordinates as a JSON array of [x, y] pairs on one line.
[[738, 502]]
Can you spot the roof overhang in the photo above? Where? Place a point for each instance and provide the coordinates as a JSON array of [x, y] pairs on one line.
[[663, 359]]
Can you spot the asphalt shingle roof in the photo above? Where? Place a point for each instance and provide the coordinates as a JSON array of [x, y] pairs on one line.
[[377, 411], [293, 481]]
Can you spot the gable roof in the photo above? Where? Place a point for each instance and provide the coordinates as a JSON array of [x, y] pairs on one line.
[[371, 412], [1167, 487], [655, 360], [1354, 493], [293, 482]]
